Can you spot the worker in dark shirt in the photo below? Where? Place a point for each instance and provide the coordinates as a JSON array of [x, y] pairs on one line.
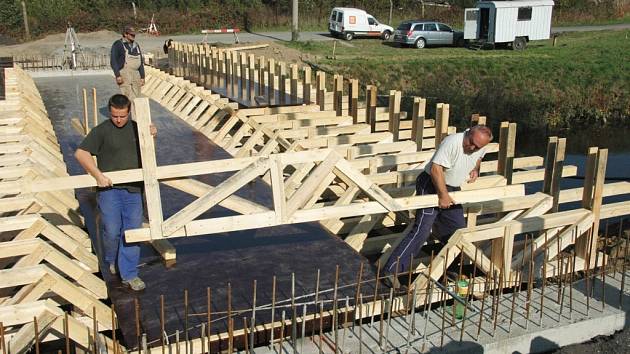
[[126, 62], [115, 145]]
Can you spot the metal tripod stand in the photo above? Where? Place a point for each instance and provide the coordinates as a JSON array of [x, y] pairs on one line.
[[72, 50]]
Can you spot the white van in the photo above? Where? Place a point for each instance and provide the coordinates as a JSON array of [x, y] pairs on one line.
[[348, 23]]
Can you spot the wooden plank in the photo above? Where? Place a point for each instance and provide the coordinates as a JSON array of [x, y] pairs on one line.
[[142, 113], [213, 197]]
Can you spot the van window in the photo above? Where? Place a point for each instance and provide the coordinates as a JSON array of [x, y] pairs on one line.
[[405, 26], [430, 27], [340, 17], [352, 20], [333, 15], [524, 13], [371, 21]]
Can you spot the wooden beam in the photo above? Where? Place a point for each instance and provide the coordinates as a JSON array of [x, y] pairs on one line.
[[142, 114]]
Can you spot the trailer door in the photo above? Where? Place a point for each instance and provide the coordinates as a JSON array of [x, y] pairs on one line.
[[471, 25]]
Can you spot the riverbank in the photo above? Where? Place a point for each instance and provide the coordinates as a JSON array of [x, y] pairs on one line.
[[580, 82]]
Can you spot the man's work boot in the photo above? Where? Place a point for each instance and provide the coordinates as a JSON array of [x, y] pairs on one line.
[[135, 284]]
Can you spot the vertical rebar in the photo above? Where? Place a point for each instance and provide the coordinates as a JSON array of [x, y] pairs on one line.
[[95, 329], [623, 274], [443, 298], [334, 316], [273, 308], [544, 280], [293, 316], [426, 315], [136, 306], [381, 322], [303, 336], [604, 262], [281, 332], [483, 305], [471, 290], [389, 317], [316, 296], [360, 325], [113, 326], [177, 350], [376, 283], [530, 281], [245, 335], [321, 327], [161, 322], [253, 327], [209, 316], [186, 320], [229, 319], [66, 333], [36, 330]]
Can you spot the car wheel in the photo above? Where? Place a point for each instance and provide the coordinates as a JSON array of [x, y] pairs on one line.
[[386, 35], [420, 43], [348, 36], [519, 43]]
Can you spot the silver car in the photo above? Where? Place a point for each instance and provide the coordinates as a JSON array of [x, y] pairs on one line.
[[420, 34]]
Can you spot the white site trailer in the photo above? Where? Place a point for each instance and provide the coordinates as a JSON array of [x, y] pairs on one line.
[[511, 22]]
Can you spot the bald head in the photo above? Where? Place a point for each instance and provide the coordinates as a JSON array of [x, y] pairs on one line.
[[476, 138]]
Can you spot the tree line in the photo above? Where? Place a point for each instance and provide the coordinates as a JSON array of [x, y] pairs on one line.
[[189, 16]]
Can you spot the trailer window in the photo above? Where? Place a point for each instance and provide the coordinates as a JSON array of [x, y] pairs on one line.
[[471, 15], [524, 13]]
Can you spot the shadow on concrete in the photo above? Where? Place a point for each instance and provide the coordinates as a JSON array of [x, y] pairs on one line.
[[458, 347], [541, 345]]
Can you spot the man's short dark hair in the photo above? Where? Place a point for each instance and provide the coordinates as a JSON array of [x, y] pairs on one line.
[[119, 101]]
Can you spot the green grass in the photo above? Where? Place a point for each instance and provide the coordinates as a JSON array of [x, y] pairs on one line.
[[581, 81]]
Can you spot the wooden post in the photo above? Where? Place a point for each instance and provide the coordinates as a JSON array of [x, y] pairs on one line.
[[594, 177], [394, 114], [370, 109], [261, 76], [306, 85], [142, 114], [235, 66], [215, 66], [243, 72], [338, 100], [477, 119], [294, 82], [417, 125], [321, 89], [554, 163], [507, 142], [282, 85], [353, 103], [441, 122], [272, 79], [86, 124], [95, 106], [251, 79]]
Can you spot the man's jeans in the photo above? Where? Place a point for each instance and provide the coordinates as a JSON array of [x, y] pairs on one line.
[[121, 210]]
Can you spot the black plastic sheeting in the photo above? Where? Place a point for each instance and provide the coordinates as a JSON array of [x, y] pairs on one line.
[[212, 261]]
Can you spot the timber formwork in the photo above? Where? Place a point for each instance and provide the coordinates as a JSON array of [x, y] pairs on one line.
[[351, 166], [48, 286]]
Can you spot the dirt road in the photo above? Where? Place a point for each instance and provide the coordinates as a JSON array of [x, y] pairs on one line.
[[101, 41]]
